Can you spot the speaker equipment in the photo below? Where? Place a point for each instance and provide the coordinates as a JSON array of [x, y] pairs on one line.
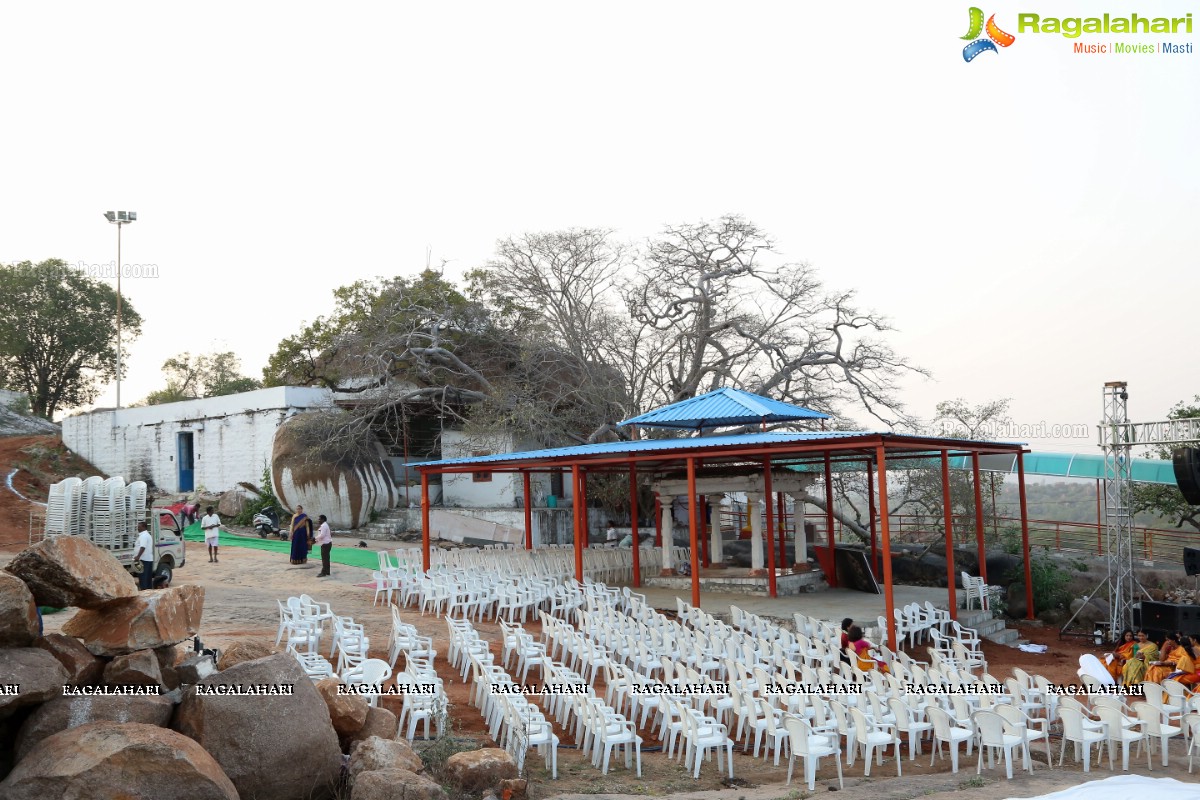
[[1191, 560], [1169, 617], [1186, 461]]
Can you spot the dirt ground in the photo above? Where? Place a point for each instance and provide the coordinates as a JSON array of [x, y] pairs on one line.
[[241, 595]]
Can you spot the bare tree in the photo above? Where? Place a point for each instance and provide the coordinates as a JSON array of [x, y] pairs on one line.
[[721, 315]]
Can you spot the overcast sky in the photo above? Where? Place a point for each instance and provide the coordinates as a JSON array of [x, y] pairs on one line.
[[1028, 220]]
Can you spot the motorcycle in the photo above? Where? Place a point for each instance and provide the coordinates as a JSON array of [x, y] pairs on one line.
[[266, 522]]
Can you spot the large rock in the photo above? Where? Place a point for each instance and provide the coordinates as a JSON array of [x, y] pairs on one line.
[[18, 613], [347, 711], [83, 668], [151, 619], [395, 784], [106, 760], [232, 503], [478, 770], [196, 668], [67, 571], [37, 675], [63, 713], [238, 652], [374, 754], [380, 722], [168, 662], [136, 669], [345, 493], [273, 747]]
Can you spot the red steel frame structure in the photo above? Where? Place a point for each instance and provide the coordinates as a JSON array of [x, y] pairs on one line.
[[755, 455]]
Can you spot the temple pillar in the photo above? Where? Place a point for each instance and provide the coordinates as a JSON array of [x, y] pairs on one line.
[[668, 534], [757, 563]]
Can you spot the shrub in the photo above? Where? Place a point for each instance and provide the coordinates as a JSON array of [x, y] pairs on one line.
[[266, 499]]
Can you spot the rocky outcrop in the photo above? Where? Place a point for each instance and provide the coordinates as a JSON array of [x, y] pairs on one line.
[[67, 571], [136, 669], [374, 754], [380, 722], [346, 494], [63, 713], [83, 668], [479, 770], [348, 712], [395, 784], [105, 760], [238, 652], [272, 746], [151, 619], [18, 613], [37, 675]]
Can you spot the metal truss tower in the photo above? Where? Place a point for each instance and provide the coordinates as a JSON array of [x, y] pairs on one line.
[[1116, 441]]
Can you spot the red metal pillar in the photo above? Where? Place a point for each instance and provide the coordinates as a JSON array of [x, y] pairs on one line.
[[1025, 537], [705, 559], [633, 522], [830, 579], [528, 512], [693, 531], [578, 532], [425, 520], [949, 533], [771, 581], [871, 517], [582, 498], [889, 601], [979, 517], [782, 532]]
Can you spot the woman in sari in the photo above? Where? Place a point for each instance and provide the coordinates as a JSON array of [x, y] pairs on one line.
[[1144, 652], [1121, 654], [1185, 663], [862, 651], [302, 534], [1165, 664]]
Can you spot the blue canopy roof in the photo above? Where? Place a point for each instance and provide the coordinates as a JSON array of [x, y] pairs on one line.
[[723, 408]]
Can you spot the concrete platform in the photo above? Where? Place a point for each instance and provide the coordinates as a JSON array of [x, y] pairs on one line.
[[737, 580]]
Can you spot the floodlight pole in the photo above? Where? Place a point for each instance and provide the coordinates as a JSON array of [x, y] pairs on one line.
[[119, 218]]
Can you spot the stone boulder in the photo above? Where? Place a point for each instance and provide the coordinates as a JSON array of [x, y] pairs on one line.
[[348, 712], [83, 668], [375, 753], [1091, 610], [168, 661], [346, 494], [395, 784], [196, 668], [105, 760], [63, 713], [18, 613], [1014, 599], [273, 747], [513, 789], [479, 770], [152, 619], [232, 503], [380, 722], [67, 571], [37, 674], [238, 652], [135, 669]]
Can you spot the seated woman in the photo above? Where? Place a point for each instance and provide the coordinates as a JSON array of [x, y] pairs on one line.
[[1121, 654], [1165, 665], [1186, 656], [862, 651], [1144, 652]]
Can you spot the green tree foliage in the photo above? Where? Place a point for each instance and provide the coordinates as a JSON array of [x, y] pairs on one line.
[[207, 375], [58, 334], [1163, 500]]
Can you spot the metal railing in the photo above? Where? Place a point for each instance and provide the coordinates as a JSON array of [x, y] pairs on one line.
[[1085, 538]]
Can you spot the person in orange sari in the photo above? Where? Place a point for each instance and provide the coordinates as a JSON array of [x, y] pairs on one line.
[[1186, 656], [1121, 654], [1165, 665]]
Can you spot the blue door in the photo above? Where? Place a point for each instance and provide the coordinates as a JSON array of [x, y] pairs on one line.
[[187, 469]]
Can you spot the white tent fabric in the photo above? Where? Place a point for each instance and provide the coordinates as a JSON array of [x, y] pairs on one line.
[[1122, 787]]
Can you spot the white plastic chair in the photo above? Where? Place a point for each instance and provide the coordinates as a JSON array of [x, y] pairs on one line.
[[1116, 732], [871, 735], [1074, 731], [811, 748]]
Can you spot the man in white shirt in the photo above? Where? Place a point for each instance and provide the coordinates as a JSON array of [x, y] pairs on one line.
[[211, 525], [324, 538], [145, 554]]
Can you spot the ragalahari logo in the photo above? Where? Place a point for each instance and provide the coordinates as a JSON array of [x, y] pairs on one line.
[[995, 36]]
